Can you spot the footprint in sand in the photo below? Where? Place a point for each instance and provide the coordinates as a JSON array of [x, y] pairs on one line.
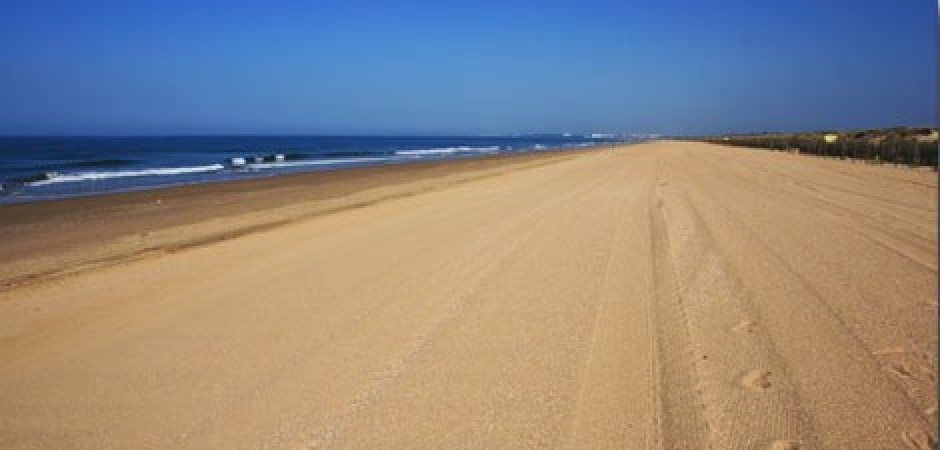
[[744, 327], [891, 351], [900, 371], [919, 440], [784, 445], [756, 380], [905, 363]]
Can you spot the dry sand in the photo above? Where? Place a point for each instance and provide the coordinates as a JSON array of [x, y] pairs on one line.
[[665, 295]]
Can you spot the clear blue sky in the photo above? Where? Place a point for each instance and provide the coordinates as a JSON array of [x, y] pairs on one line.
[[683, 66]]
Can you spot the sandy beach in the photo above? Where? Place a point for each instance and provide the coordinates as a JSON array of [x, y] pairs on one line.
[[668, 295]]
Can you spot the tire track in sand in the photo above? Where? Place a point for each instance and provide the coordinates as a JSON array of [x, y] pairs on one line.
[[680, 412], [891, 239], [325, 436], [614, 399], [912, 366], [741, 382], [813, 340]]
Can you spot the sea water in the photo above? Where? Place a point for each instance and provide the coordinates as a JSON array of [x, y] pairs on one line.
[[40, 168]]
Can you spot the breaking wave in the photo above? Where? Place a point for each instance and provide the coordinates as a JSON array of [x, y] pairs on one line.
[[54, 177], [447, 150]]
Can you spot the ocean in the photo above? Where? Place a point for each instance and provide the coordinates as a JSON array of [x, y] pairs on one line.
[[42, 168]]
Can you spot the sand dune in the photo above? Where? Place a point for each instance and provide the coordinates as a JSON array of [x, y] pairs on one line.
[[667, 295]]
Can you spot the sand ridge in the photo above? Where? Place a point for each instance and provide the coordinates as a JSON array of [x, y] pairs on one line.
[[664, 295]]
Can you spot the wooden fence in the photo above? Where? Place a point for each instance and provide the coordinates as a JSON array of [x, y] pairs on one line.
[[907, 150]]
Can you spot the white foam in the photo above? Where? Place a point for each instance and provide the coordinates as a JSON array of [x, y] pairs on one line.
[[315, 162], [447, 150], [91, 176]]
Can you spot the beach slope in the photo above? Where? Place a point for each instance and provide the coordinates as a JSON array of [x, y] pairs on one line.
[[668, 295]]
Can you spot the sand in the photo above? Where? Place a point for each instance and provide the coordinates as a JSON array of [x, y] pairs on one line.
[[666, 295]]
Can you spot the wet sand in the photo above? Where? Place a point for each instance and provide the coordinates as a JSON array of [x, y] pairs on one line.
[[666, 295]]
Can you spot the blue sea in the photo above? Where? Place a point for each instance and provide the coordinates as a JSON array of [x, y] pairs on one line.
[[41, 168]]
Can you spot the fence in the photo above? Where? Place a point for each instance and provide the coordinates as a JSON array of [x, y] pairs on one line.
[[900, 150]]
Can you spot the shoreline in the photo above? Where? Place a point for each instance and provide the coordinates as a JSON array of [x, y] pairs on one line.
[[76, 167], [49, 238]]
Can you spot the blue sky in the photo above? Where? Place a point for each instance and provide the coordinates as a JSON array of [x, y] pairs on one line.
[[440, 67]]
